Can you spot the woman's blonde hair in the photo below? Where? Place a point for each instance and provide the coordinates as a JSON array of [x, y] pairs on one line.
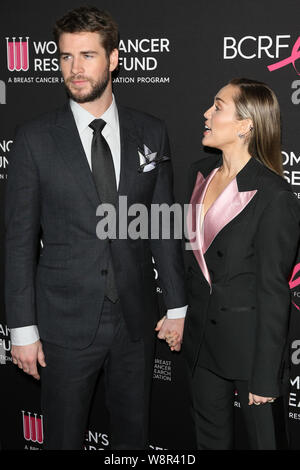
[[256, 101]]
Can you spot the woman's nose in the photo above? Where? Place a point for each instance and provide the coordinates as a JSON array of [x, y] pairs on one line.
[[207, 113]]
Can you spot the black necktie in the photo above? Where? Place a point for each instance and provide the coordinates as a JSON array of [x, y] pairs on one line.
[[105, 181], [102, 164]]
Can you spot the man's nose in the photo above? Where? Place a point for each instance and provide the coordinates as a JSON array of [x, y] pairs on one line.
[[77, 66]]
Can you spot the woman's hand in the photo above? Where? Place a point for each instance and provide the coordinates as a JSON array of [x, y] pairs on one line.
[[258, 400], [174, 341], [171, 331]]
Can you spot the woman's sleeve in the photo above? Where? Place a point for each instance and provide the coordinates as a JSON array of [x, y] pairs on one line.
[[276, 246]]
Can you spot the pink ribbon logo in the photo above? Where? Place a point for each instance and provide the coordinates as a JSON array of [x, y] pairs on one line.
[[295, 55], [295, 282]]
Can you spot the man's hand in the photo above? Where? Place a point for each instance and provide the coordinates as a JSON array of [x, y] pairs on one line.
[[27, 357], [258, 400], [172, 331]]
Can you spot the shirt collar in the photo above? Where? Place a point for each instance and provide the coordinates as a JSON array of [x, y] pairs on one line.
[[83, 118]]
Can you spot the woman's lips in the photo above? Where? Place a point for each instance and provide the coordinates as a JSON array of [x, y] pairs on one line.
[[207, 130]]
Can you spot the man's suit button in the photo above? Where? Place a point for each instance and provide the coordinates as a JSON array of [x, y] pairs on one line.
[[219, 253], [223, 309], [104, 272], [213, 322]]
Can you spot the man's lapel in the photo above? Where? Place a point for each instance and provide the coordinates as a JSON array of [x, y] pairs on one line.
[[69, 145], [130, 142], [227, 206]]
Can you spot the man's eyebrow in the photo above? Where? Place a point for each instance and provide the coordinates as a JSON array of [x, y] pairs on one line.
[[88, 52], [81, 52]]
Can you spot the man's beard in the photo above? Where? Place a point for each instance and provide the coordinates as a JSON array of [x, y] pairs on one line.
[[96, 92]]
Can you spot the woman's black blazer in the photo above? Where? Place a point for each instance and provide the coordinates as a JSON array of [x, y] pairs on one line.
[[238, 315]]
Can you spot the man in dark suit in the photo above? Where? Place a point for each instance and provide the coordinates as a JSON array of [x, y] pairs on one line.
[[84, 302]]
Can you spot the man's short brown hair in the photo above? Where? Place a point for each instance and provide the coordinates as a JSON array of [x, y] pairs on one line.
[[89, 19]]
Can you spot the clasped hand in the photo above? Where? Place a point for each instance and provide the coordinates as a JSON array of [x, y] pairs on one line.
[[171, 330]]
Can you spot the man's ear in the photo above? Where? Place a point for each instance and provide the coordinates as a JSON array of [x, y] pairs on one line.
[[113, 60]]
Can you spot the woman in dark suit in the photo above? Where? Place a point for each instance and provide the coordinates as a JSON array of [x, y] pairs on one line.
[[243, 227]]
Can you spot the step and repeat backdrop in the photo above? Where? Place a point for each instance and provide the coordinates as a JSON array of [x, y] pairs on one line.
[[174, 57]]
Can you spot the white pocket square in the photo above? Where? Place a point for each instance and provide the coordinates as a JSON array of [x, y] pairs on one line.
[[149, 159]]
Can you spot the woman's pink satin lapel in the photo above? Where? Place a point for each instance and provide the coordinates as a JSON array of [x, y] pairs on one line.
[[195, 230], [225, 208]]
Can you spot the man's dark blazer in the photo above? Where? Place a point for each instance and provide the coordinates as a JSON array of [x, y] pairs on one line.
[[51, 196], [239, 296]]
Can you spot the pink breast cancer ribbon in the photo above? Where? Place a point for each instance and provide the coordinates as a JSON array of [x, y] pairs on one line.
[[295, 282], [295, 55]]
